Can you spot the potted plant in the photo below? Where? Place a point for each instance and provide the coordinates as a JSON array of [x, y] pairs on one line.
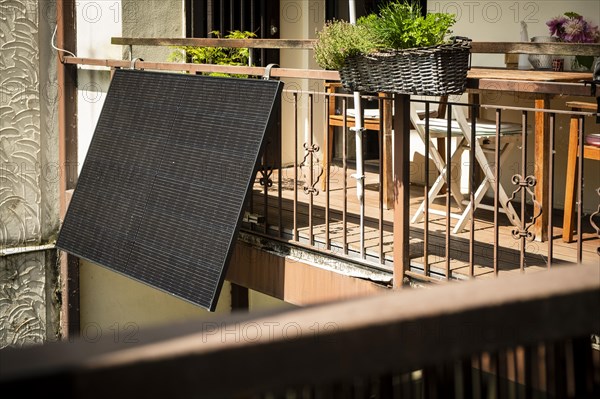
[[573, 28], [397, 50]]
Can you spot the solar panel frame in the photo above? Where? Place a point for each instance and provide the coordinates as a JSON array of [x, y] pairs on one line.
[[149, 168]]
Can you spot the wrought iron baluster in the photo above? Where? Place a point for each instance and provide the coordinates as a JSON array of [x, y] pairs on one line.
[[448, 187], [295, 210], [525, 186], [426, 194], [596, 226], [552, 121], [327, 171]]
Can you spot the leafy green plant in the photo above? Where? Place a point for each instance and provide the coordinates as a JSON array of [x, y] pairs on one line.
[[215, 55], [398, 25], [341, 39]]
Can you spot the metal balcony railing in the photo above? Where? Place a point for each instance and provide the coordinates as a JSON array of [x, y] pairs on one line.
[[304, 198], [313, 203]]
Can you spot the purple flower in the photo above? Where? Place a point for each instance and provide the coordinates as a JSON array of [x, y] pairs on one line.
[[555, 24], [573, 28]]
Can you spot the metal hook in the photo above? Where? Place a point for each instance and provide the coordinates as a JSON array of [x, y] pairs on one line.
[[132, 65], [267, 75]]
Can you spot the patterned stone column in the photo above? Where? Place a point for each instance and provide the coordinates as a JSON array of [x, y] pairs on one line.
[[29, 173]]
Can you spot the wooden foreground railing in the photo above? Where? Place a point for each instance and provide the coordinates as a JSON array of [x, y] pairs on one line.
[[494, 338]]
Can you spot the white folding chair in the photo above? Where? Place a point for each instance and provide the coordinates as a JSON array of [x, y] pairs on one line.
[[438, 130], [485, 143]]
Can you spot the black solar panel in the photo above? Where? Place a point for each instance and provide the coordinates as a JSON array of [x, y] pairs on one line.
[[161, 193]]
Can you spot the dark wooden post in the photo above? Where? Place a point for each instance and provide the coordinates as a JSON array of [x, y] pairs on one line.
[[67, 154], [542, 153], [401, 186]]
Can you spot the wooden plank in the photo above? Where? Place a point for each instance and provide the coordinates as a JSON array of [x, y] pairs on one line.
[[591, 49], [478, 78], [214, 42], [541, 154], [386, 136], [528, 75], [571, 176], [530, 86], [591, 152], [547, 82], [293, 280], [521, 86], [197, 68], [401, 187], [581, 105], [67, 104], [304, 347], [66, 76], [105, 62]]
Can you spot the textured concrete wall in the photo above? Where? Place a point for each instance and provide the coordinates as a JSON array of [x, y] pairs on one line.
[[301, 19], [152, 18], [29, 172], [28, 298]]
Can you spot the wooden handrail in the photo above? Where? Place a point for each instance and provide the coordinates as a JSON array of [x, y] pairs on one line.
[[400, 330], [482, 83], [194, 68], [590, 49], [213, 42]]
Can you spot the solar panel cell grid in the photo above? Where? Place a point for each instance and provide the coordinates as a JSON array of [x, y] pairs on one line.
[[162, 188]]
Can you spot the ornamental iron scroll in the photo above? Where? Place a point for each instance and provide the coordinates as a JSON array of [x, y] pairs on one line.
[[526, 184], [266, 172], [311, 150]]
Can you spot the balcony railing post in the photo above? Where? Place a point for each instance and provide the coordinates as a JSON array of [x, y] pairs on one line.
[[541, 165], [401, 186]]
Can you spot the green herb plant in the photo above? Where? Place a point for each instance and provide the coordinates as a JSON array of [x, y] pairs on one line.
[[216, 55], [339, 40], [398, 25]]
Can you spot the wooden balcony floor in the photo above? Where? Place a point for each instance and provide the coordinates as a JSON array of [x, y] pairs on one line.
[[509, 248]]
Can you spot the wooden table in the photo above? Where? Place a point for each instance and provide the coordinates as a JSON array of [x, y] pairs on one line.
[[545, 85]]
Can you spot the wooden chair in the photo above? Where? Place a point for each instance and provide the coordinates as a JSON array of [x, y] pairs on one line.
[[589, 152], [371, 121]]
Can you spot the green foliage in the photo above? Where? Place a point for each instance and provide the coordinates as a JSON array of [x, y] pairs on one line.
[[367, 24], [215, 55], [338, 40], [399, 25]]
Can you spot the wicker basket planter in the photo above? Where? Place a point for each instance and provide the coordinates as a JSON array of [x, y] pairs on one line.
[[437, 70]]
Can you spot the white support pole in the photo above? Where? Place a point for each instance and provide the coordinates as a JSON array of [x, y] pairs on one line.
[[352, 11], [358, 130]]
